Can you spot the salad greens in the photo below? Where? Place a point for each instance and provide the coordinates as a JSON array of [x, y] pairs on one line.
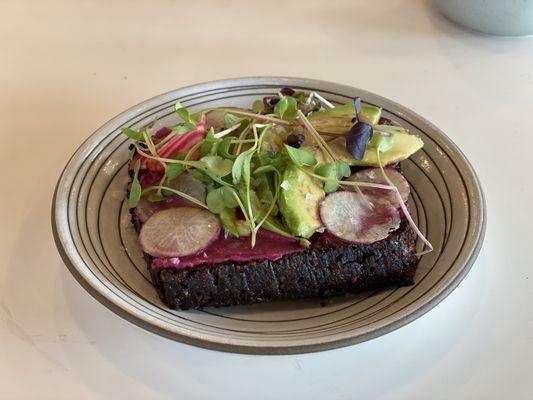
[[241, 157]]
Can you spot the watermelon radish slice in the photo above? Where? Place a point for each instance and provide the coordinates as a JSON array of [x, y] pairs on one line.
[[179, 232], [374, 175], [347, 215]]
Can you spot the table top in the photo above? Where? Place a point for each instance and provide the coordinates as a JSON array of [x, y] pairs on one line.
[[69, 66]]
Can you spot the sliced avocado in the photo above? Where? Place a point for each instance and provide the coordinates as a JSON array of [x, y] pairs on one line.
[[274, 138], [370, 114], [403, 146], [299, 200], [228, 218], [339, 119]]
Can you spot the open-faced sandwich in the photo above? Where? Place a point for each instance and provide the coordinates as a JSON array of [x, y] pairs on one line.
[[293, 198]]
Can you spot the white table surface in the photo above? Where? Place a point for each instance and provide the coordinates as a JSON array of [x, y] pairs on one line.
[[68, 66]]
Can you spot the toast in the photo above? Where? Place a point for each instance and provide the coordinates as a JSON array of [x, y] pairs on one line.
[[234, 206]]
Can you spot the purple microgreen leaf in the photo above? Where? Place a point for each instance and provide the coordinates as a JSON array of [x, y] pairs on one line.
[[357, 139], [357, 105]]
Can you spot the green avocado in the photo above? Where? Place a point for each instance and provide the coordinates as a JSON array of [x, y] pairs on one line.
[[299, 199], [403, 146], [339, 119]]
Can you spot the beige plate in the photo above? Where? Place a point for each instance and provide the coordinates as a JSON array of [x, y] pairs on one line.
[[98, 244]]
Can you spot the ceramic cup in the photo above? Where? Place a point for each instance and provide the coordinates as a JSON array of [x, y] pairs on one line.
[[496, 17]]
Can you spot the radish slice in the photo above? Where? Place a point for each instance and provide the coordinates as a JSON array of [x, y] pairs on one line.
[[215, 119], [374, 175], [347, 215], [179, 232], [188, 184], [185, 183]]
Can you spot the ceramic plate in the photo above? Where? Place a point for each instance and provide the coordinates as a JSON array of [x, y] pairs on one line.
[[98, 244]]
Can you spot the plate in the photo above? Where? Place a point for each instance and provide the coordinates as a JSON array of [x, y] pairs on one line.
[[98, 244]]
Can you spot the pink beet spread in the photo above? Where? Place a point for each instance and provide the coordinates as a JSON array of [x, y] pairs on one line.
[[269, 246]]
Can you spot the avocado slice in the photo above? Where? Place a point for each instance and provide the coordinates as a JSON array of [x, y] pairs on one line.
[[299, 199], [339, 119], [403, 146]]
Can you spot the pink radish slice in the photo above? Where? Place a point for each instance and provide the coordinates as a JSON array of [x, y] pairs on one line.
[[145, 209], [185, 183], [374, 175], [188, 184], [179, 232], [215, 119], [348, 216]]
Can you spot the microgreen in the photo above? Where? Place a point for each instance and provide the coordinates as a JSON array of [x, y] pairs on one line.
[[242, 136], [197, 116], [265, 196], [333, 173], [219, 199], [357, 139], [323, 100], [300, 96], [223, 148], [238, 171], [135, 189], [231, 120], [182, 112], [181, 129], [318, 139], [154, 197], [272, 158], [131, 153], [228, 130], [357, 107], [328, 171], [265, 169], [258, 107], [135, 135], [263, 189], [209, 142], [286, 108], [261, 117], [201, 176], [174, 170], [300, 157], [216, 165], [228, 218]]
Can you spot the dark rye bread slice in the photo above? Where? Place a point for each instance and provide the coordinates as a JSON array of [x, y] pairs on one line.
[[313, 273]]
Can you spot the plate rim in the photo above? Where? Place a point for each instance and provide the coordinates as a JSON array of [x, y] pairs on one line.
[[106, 297]]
